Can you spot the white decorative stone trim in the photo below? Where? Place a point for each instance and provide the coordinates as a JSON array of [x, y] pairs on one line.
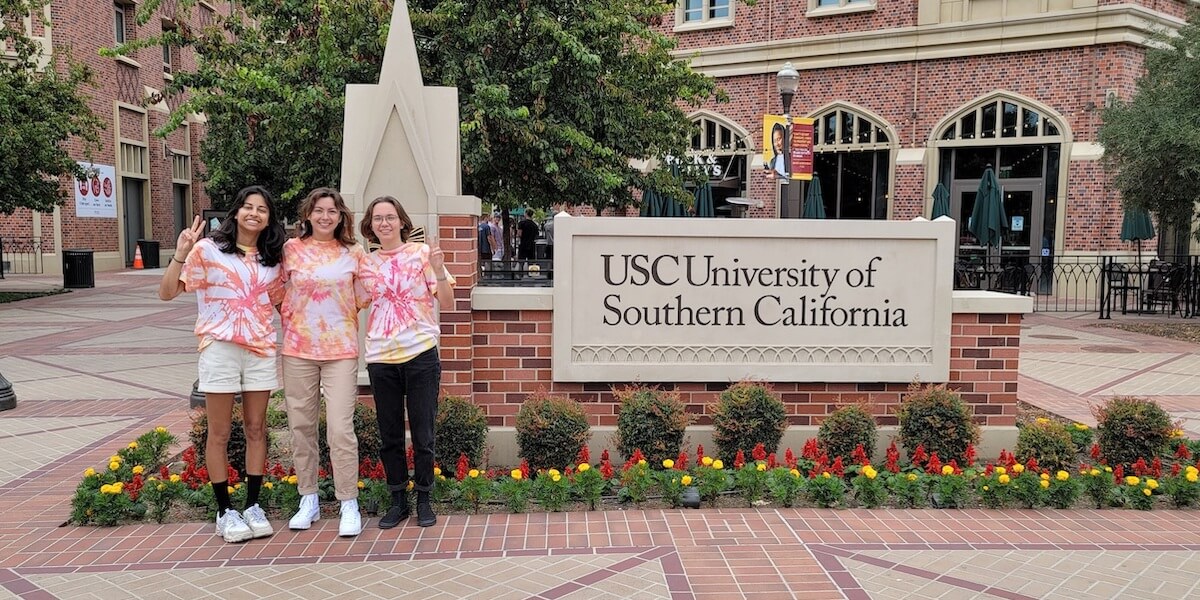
[[990, 303], [1086, 151], [791, 355]]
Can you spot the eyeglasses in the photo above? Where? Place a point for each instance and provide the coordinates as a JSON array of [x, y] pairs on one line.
[[385, 219]]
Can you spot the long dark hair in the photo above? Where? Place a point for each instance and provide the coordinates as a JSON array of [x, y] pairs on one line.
[[270, 239]]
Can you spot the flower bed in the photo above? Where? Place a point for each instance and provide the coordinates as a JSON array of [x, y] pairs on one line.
[[138, 485]]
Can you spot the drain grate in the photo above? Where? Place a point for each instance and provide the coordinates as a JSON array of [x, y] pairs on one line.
[[1110, 349]]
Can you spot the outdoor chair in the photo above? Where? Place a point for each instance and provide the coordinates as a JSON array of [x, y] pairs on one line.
[[1121, 284], [1015, 279], [1166, 288]]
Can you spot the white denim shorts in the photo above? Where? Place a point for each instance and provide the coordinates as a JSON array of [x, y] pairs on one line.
[[227, 368]]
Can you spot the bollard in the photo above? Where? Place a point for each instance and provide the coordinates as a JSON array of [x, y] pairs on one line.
[[8, 398]]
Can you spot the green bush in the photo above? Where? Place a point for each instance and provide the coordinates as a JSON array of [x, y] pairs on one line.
[[236, 452], [844, 429], [366, 429], [550, 431], [461, 428], [937, 418], [1047, 441], [747, 414], [651, 420], [1131, 428]]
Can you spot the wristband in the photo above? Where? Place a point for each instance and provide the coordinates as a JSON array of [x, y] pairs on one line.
[[178, 261]]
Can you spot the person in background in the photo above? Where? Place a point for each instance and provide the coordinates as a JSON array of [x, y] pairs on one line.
[[405, 284], [320, 352], [485, 238], [497, 238], [548, 229], [236, 275], [528, 232]]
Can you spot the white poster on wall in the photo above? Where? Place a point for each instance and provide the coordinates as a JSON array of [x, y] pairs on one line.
[[96, 196]]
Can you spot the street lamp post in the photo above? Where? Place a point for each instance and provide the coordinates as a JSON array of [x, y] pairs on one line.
[[787, 80]]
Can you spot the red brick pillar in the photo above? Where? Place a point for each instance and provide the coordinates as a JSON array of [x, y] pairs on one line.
[[459, 241]]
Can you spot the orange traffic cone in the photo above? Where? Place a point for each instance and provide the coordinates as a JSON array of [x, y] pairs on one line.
[[137, 259]]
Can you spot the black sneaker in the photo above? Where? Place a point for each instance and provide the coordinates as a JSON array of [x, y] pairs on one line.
[[425, 516], [397, 512]]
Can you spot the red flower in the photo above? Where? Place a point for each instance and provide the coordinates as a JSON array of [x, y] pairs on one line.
[[970, 455], [164, 472], [1139, 467], [739, 459], [934, 466], [837, 469], [681, 461], [820, 465], [759, 452], [1119, 473], [789, 459], [322, 473], [408, 454], [378, 472], [918, 455], [771, 461], [1156, 467], [699, 453], [585, 455], [135, 487], [893, 458], [231, 474], [189, 456], [1095, 452], [1032, 464], [606, 469], [524, 469], [1175, 468], [604, 455], [637, 456], [859, 456], [1183, 453], [811, 450], [988, 470], [364, 467], [464, 465]]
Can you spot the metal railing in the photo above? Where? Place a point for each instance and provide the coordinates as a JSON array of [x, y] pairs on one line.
[[516, 273], [1067, 283], [20, 255], [1170, 286]]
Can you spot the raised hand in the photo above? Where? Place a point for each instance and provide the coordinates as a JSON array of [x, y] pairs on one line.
[[437, 260], [188, 238]]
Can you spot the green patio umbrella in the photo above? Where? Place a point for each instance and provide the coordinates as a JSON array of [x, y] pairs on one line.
[[814, 206], [941, 202], [987, 220], [1135, 227], [651, 204], [704, 201]]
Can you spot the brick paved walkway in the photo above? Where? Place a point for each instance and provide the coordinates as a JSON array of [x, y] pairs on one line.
[[94, 368]]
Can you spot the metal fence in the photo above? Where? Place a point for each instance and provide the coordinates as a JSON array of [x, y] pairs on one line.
[[1067, 283], [20, 255], [516, 273], [1170, 286]]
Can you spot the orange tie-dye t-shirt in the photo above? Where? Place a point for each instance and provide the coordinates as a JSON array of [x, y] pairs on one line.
[[235, 296], [320, 306], [402, 287]]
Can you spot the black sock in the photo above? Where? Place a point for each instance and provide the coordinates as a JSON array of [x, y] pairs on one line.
[[221, 493], [253, 485]]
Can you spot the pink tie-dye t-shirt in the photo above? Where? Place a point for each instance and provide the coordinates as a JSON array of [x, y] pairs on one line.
[[320, 307], [402, 287], [235, 296]]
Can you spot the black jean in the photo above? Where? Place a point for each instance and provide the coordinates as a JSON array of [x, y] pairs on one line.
[[413, 384]]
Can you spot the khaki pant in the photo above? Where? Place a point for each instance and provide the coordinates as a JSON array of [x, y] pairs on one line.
[[303, 380]]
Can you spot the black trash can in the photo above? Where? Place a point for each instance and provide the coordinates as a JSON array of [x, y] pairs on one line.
[[149, 250], [78, 270]]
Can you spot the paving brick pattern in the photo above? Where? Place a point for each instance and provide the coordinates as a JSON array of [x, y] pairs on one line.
[[86, 387]]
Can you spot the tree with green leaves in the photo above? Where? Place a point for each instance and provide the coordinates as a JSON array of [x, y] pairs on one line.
[[1152, 142], [41, 110], [555, 97]]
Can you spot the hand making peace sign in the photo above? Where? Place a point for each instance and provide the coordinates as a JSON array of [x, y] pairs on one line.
[[188, 238]]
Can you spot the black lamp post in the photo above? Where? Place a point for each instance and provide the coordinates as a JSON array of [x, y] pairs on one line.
[[787, 80]]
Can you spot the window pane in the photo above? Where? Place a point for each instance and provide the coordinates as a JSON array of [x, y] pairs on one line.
[[828, 2], [166, 48], [825, 168], [967, 206], [847, 121], [719, 9], [1029, 124], [1020, 161], [968, 126], [695, 141], [857, 197], [951, 132], [864, 131], [881, 184], [829, 135], [1009, 128], [693, 10], [710, 134], [1051, 128], [119, 24], [969, 163], [724, 136], [988, 126], [880, 135]]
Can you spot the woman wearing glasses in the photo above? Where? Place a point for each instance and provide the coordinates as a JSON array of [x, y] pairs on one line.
[[405, 283]]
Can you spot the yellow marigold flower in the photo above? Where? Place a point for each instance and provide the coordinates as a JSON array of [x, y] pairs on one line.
[[1107, 469], [1001, 470], [581, 468], [1062, 475], [986, 488], [686, 480], [151, 478], [292, 479], [706, 461], [1147, 491], [114, 458], [1152, 484], [138, 469], [1094, 472], [1177, 433], [120, 485], [1191, 469], [911, 477], [516, 474], [718, 465], [553, 472], [794, 472], [474, 473], [1042, 420], [361, 485], [826, 475], [556, 478], [160, 429], [947, 470], [230, 488], [268, 485], [114, 465], [1045, 483], [1018, 468], [162, 486], [106, 489], [437, 471], [411, 485], [441, 477], [133, 445], [668, 463], [90, 472], [641, 462], [761, 466], [1081, 427], [1004, 479], [175, 478], [1192, 477], [869, 472], [1044, 476], [1132, 480]]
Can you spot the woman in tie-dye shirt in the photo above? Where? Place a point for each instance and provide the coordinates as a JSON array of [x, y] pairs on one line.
[[406, 283], [236, 277], [320, 351]]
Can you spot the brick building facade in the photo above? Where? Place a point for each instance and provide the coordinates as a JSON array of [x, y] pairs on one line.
[[157, 180], [909, 94]]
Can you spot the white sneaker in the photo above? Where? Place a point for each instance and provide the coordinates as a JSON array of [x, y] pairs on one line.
[[351, 524], [309, 511], [256, 519], [233, 528]]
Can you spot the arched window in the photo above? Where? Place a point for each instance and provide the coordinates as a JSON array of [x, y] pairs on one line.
[[1002, 118], [722, 150], [852, 161]]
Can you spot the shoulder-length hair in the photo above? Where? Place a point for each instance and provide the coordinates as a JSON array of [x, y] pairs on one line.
[[405, 222], [270, 239], [344, 232]]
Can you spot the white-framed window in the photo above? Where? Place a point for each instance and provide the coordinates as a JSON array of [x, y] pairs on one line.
[[703, 14], [820, 8], [119, 23]]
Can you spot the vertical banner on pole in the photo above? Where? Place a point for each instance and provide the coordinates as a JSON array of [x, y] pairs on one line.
[[796, 164], [802, 149]]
